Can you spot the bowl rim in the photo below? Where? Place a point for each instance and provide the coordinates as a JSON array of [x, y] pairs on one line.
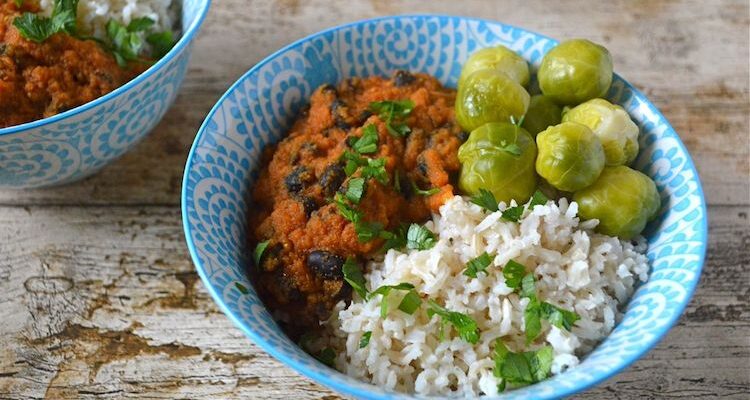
[[338, 385], [184, 40]]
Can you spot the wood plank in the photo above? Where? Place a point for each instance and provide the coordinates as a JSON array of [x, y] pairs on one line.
[[688, 56], [103, 302]]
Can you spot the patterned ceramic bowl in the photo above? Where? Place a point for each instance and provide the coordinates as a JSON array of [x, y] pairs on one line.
[[77, 143], [259, 107]]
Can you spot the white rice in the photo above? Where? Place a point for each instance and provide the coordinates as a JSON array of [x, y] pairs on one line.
[[93, 15], [576, 268]]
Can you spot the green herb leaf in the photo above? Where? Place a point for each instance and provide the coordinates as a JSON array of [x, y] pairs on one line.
[[513, 214], [260, 248], [353, 276], [541, 362], [398, 130], [241, 288], [326, 356], [161, 43], [411, 302], [19, 3], [510, 148], [368, 143], [478, 264], [365, 340], [375, 168], [367, 231], [355, 189], [538, 199], [140, 24], [528, 288], [465, 326], [485, 199], [521, 369], [559, 317], [532, 317], [428, 192], [39, 29], [420, 238], [393, 112], [348, 212], [395, 240], [385, 290], [513, 273], [353, 161]]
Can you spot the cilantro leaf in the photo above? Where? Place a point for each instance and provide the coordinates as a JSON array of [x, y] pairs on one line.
[[353, 161], [355, 189], [513, 214], [532, 317], [326, 356], [513, 273], [353, 276], [368, 143], [420, 238], [411, 302], [393, 112], [241, 288], [350, 214], [367, 231], [38, 29], [559, 317], [465, 326], [386, 289], [478, 264], [375, 168], [260, 248], [428, 192], [485, 199], [161, 43], [538, 199], [395, 240], [140, 24], [521, 369], [528, 288], [365, 340]]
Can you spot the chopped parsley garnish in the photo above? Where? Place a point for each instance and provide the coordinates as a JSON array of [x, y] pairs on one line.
[[260, 248], [367, 231], [538, 199], [353, 161], [393, 113], [537, 310], [478, 264], [395, 239], [520, 369], [513, 273], [559, 317], [161, 43], [485, 199], [38, 29], [125, 40], [532, 317], [409, 303], [353, 276], [241, 288], [420, 238], [465, 326], [368, 143], [347, 211], [513, 214], [428, 192], [375, 168], [365, 340], [355, 189]]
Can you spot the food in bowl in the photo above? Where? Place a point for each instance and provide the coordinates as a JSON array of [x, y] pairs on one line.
[[422, 240], [57, 55]]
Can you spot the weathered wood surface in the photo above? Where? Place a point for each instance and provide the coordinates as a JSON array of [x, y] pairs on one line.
[[98, 297]]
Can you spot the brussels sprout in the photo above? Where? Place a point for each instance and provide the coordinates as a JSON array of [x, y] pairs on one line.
[[489, 96], [618, 133], [499, 58], [622, 199], [575, 71], [542, 113], [498, 157], [571, 157]]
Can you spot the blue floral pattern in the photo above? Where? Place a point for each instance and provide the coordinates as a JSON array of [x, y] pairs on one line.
[[77, 143], [257, 111]]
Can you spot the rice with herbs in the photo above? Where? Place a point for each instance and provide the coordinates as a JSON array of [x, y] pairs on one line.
[[575, 268], [93, 15]]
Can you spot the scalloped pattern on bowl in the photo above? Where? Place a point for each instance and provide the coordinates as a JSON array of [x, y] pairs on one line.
[[258, 109], [77, 143]]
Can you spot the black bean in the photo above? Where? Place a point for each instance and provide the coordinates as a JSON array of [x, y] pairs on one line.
[[363, 116], [338, 108], [332, 179], [403, 78], [326, 265], [422, 166], [463, 136], [298, 179], [309, 205]]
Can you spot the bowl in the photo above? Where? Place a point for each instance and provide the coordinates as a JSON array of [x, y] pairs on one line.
[[259, 107], [77, 143]]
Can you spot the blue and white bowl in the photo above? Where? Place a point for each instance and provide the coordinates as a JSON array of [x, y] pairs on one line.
[[260, 106], [77, 143]]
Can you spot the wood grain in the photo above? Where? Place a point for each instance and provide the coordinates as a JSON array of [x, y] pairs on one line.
[[99, 298]]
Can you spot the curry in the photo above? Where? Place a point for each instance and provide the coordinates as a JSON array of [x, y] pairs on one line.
[[308, 240], [38, 80]]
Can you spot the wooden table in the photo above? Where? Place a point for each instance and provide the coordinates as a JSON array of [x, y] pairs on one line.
[[98, 297]]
